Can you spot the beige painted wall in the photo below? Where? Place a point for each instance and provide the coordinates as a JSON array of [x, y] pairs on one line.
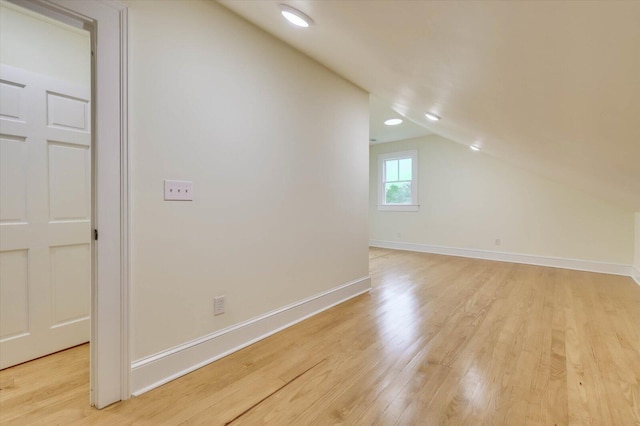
[[277, 148], [469, 199], [34, 42], [636, 259]]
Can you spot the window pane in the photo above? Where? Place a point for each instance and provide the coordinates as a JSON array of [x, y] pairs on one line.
[[404, 169], [391, 173], [397, 193]]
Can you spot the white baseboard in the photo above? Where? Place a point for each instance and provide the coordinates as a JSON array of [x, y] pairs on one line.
[[158, 369], [635, 274], [554, 262]]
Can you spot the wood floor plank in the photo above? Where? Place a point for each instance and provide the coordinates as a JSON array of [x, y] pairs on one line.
[[438, 340]]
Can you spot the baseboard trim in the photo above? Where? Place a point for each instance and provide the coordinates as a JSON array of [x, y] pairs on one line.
[[158, 369], [635, 274], [554, 262]]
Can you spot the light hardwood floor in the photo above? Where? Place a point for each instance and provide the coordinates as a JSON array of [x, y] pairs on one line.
[[439, 340]]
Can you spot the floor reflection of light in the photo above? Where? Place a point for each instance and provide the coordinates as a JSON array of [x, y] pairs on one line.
[[472, 387], [398, 322]]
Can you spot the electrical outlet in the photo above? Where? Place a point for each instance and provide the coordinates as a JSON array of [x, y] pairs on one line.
[[218, 305], [498, 241]]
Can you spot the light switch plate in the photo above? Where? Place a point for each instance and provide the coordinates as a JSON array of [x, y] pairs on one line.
[[178, 190]]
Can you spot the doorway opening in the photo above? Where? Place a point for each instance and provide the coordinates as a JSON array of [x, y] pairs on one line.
[[70, 118], [46, 218], [45, 186]]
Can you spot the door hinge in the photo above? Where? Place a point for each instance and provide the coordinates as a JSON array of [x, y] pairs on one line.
[[95, 234]]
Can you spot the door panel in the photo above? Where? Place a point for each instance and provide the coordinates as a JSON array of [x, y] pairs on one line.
[[14, 286], [69, 272], [67, 113], [13, 105], [45, 225], [13, 179], [69, 182]]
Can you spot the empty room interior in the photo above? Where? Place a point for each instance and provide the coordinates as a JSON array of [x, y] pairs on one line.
[[315, 212]]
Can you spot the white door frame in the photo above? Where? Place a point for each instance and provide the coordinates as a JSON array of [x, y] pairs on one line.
[[110, 364]]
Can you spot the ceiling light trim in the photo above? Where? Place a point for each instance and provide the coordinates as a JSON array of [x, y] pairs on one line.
[[393, 121], [295, 16]]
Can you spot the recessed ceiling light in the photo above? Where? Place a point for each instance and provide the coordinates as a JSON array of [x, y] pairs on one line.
[[431, 116], [393, 122], [475, 147], [294, 16]]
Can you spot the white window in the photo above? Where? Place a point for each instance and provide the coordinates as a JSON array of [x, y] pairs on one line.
[[398, 181]]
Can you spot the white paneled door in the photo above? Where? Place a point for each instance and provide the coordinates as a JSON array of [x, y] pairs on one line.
[[45, 215]]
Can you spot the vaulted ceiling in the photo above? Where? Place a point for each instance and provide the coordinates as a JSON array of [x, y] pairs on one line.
[[552, 86]]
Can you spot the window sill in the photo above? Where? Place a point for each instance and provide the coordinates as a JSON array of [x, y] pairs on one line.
[[399, 208]]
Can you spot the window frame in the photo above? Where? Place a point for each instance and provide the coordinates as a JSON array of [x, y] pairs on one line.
[[400, 155]]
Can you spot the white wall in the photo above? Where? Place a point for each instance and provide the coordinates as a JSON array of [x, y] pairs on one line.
[[35, 42], [277, 148], [469, 199]]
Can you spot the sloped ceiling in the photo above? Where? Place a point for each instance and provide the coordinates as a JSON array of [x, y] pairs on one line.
[[379, 112], [552, 86]]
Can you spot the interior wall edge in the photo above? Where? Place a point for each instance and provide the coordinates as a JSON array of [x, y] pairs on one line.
[[636, 254], [153, 371], [635, 274], [527, 259]]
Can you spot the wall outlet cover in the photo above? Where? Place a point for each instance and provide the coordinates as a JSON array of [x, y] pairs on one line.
[[218, 305]]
